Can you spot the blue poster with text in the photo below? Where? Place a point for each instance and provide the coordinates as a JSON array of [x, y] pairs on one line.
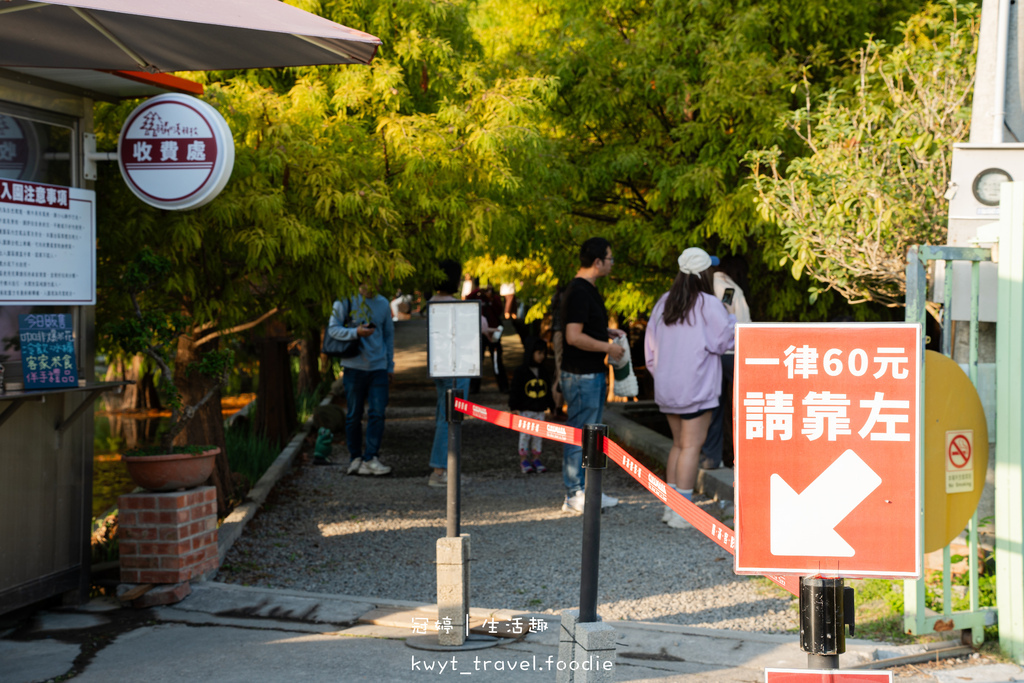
[[48, 350]]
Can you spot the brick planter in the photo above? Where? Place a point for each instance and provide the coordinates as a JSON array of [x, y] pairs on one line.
[[168, 537]]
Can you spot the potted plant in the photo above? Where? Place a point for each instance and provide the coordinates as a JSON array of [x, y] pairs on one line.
[[155, 332], [184, 468]]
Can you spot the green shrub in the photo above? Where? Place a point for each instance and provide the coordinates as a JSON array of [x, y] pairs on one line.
[[249, 454]]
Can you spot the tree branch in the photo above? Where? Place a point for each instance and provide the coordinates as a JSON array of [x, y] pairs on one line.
[[594, 216], [238, 328], [186, 414]]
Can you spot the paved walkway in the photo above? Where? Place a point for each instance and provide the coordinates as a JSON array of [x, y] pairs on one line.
[[228, 633]]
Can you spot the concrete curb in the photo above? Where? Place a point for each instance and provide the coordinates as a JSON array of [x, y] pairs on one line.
[[714, 484]]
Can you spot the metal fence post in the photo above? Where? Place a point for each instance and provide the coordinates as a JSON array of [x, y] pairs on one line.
[[916, 312], [454, 418], [594, 462]]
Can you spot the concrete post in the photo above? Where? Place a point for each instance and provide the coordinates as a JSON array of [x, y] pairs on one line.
[[586, 650], [453, 556]]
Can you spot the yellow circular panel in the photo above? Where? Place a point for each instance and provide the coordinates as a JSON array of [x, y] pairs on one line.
[[951, 409]]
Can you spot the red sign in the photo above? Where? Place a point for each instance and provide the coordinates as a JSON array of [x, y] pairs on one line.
[[34, 194], [176, 152], [825, 676], [827, 450]]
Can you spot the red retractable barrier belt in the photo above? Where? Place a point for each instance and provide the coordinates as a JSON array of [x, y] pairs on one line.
[[702, 521]]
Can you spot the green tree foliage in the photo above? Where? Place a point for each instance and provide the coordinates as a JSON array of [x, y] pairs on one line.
[[345, 174], [155, 333], [878, 167], [657, 104], [342, 175]]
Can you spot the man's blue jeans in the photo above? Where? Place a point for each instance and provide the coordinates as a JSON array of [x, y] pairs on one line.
[[439, 453], [585, 396], [367, 388]]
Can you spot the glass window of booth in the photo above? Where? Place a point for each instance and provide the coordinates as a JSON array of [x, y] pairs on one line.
[[38, 147]]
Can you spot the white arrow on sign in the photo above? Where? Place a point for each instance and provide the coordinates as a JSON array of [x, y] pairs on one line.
[[805, 523]]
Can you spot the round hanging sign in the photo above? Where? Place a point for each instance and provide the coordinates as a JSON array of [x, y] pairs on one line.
[[19, 149], [175, 152]]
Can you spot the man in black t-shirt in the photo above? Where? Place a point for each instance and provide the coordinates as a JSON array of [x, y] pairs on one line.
[[584, 376]]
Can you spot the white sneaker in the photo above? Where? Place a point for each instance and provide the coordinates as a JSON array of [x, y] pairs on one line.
[[667, 515], [374, 467], [608, 502], [574, 503], [440, 481], [354, 464], [677, 521]]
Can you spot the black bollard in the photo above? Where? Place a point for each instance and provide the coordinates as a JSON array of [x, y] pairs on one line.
[[825, 608], [594, 462], [454, 418]]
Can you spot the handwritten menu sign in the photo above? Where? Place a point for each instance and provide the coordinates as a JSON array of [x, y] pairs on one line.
[[48, 350]]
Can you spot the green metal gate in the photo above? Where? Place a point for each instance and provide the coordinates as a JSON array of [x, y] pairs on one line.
[[917, 619]]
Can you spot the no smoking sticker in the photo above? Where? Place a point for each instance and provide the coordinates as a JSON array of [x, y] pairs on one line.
[[959, 461]]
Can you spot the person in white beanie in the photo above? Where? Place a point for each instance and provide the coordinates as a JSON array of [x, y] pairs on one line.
[[718, 447], [688, 331]]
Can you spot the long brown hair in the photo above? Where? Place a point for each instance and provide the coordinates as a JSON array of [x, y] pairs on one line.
[[684, 294]]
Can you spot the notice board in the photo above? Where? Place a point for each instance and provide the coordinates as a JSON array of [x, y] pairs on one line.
[[47, 245]]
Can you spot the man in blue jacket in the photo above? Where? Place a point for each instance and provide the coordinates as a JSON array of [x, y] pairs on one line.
[[367, 375]]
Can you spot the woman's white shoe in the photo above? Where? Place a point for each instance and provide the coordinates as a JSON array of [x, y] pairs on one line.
[[677, 521]]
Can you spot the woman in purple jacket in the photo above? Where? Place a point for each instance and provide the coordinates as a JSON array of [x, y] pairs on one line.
[[688, 330]]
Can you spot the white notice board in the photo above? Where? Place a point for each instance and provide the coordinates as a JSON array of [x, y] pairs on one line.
[[453, 340], [47, 245]]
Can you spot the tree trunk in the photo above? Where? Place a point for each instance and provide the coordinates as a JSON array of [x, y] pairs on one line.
[[207, 427], [139, 396], [309, 364], [276, 417], [326, 362], [151, 398]]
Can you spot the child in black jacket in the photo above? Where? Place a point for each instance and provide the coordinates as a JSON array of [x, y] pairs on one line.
[[530, 396]]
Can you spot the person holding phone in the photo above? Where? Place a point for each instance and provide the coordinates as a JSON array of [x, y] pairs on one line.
[[717, 449], [584, 373], [367, 375]]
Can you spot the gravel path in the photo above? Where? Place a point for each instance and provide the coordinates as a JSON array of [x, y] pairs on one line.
[[323, 531]]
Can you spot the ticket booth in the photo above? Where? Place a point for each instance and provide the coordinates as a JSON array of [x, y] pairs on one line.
[[57, 57], [48, 279]]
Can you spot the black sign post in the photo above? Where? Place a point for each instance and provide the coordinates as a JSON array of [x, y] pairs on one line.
[[826, 606]]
